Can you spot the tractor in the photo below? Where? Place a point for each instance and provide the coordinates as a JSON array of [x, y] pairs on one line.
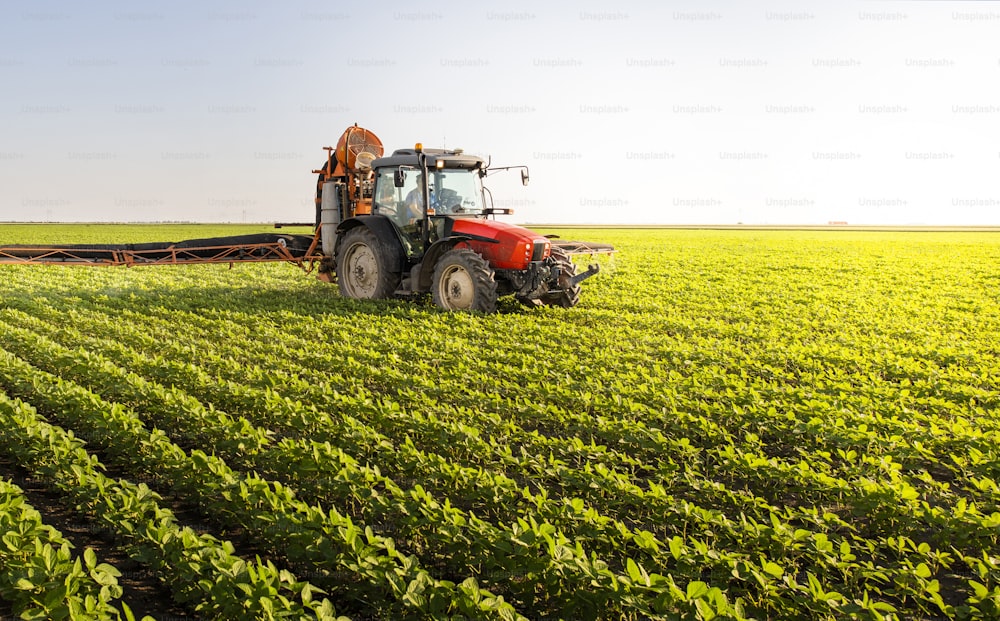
[[420, 221]]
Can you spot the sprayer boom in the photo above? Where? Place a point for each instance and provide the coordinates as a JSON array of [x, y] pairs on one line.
[[265, 247]]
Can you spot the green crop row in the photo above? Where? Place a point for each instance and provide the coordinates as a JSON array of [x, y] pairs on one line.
[[321, 539], [234, 588], [41, 577]]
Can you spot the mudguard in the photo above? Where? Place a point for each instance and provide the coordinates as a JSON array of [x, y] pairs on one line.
[[425, 270]]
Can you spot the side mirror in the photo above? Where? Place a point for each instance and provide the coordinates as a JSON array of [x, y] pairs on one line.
[[524, 176], [398, 178]]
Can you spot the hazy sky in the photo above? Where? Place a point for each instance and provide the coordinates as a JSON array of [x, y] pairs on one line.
[[632, 112]]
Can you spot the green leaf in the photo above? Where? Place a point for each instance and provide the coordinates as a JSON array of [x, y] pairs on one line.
[[633, 571], [89, 558], [23, 584], [773, 569], [696, 590], [105, 574], [705, 610], [676, 547], [980, 589]]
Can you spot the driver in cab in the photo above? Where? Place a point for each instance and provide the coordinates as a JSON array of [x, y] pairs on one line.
[[414, 201]]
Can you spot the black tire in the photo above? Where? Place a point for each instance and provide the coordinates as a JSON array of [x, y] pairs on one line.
[[463, 280], [363, 266], [564, 295]]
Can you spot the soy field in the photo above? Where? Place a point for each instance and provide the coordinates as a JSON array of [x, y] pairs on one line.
[[732, 424]]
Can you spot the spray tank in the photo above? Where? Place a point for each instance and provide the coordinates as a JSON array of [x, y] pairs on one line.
[[344, 186]]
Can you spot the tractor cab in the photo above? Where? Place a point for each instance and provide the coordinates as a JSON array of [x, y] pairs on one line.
[[420, 196]]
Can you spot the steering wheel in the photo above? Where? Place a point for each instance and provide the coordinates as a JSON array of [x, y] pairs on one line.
[[447, 201]]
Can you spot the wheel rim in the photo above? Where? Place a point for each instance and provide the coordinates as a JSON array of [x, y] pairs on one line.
[[456, 288], [361, 275]]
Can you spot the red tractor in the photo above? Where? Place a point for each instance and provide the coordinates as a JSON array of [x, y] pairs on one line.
[[419, 221]]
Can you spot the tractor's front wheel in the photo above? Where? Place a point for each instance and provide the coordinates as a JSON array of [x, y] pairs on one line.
[[562, 293], [363, 266], [463, 280]]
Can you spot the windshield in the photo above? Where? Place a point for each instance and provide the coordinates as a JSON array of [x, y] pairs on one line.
[[452, 191], [456, 192]]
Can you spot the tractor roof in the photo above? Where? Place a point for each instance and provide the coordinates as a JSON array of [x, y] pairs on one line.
[[452, 159]]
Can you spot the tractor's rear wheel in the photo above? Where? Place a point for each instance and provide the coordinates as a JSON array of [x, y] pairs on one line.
[[363, 266], [564, 295], [463, 280]]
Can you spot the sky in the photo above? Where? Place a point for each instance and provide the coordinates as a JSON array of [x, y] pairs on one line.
[[634, 112]]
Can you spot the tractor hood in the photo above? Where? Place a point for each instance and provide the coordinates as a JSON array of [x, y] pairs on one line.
[[505, 246]]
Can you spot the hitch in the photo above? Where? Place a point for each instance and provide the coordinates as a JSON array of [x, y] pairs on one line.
[[591, 270]]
